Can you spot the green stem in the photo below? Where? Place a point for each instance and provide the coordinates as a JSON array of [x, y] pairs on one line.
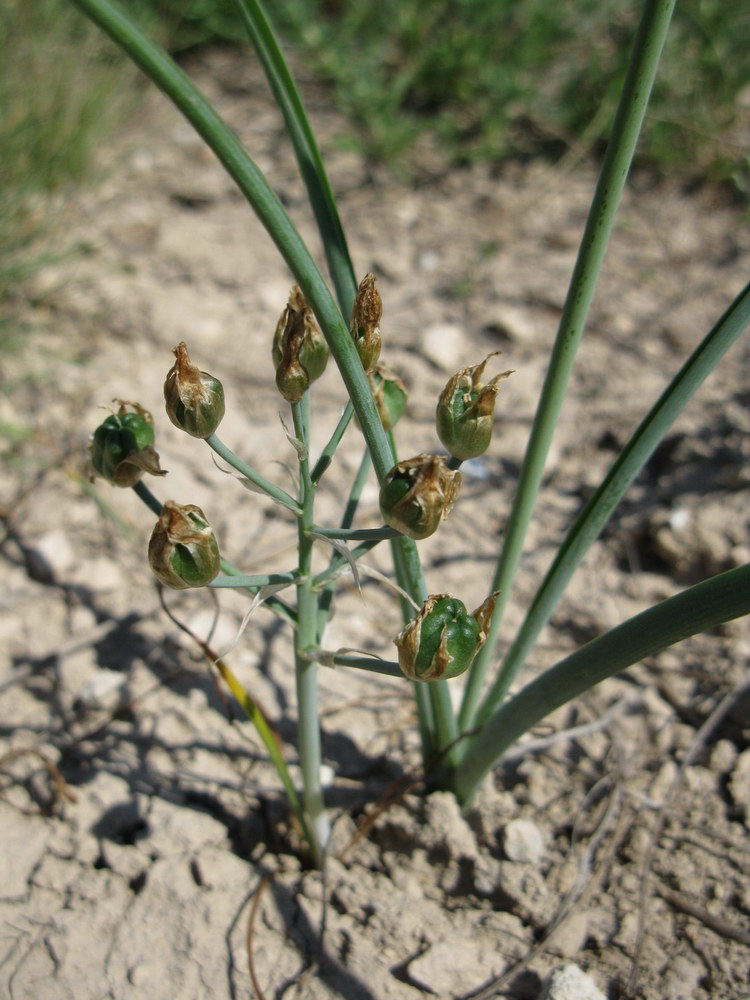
[[277, 494], [326, 456], [326, 597], [358, 534], [141, 490], [329, 575], [273, 603], [600, 507], [257, 581], [371, 663], [308, 155], [306, 671], [720, 599], [355, 493], [636, 91]]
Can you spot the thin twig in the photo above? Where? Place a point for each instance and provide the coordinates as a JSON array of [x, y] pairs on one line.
[[254, 909], [62, 789], [722, 927], [390, 797], [574, 733]]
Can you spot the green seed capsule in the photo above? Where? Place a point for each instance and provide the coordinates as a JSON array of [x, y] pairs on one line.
[[365, 324], [417, 494], [300, 352], [389, 393], [443, 639], [465, 411], [194, 399], [183, 551], [122, 447]]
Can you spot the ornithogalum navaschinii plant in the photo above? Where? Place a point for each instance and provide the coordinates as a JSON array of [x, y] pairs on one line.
[[440, 638]]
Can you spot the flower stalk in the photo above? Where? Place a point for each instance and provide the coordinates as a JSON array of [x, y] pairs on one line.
[[306, 635]]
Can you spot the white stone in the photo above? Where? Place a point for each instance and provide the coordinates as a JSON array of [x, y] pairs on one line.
[[571, 935], [100, 574], [723, 756], [523, 841], [102, 689], [429, 261], [514, 323], [570, 983], [444, 344], [52, 555], [437, 970], [327, 776]]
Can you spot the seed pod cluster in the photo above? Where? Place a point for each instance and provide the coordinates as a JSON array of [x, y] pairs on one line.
[[443, 639]]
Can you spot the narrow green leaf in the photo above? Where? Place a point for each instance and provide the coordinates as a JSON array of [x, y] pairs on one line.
[[600, 507], [695, 610], [647, 47], [306, 149]]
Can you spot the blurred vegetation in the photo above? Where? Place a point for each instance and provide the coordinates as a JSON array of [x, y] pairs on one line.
[[480, 78], [60, 90], [500, 78]]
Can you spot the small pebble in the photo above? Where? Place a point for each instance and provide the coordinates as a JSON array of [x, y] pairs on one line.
[[51, 557], [446, 827], [682, 980], [570, 983], [102, 689], [571, 936], [523, 841], [444, 344]]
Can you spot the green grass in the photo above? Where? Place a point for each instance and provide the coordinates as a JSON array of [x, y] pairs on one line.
[[474, 78], [498, 78], [60, 91], [508, 78]]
